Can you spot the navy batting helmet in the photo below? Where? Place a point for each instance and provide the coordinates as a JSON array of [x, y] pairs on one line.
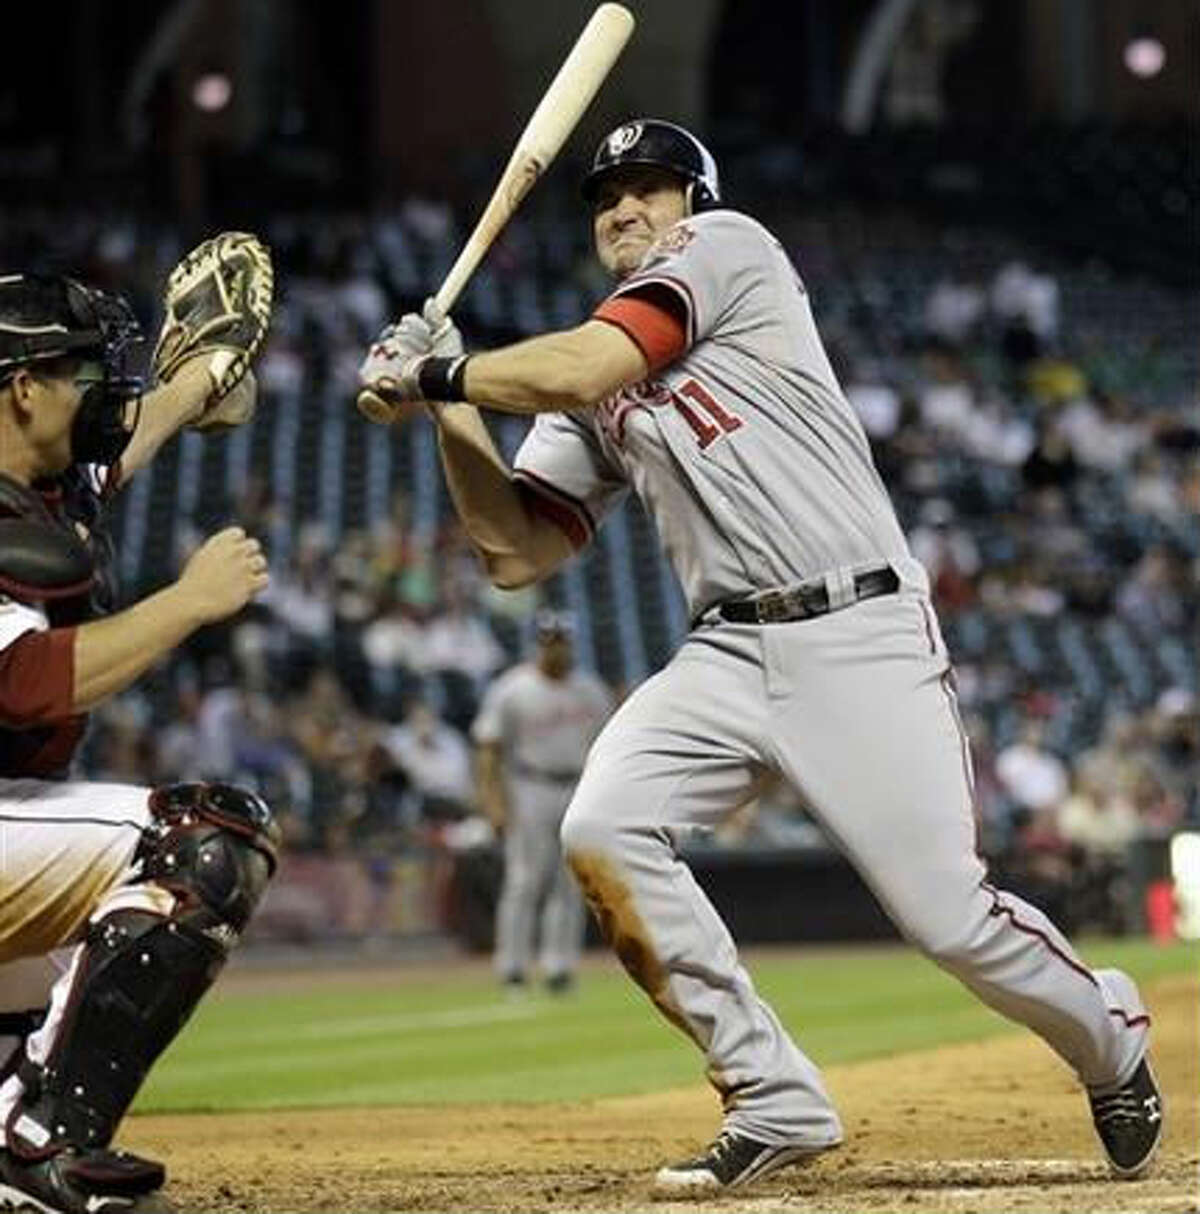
[[661, 144]]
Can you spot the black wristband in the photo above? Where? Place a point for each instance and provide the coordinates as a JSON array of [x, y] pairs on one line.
[[441, 379]]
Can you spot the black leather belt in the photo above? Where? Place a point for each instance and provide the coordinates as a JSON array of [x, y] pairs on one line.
[[804, 601]]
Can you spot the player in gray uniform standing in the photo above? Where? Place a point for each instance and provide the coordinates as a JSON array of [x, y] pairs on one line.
[[702, 384], [533, 730]]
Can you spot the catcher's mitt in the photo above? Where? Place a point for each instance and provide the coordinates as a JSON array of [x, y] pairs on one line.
[[217, 303]]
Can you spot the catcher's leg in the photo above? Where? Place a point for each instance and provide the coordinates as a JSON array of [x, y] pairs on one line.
[[151, 950]]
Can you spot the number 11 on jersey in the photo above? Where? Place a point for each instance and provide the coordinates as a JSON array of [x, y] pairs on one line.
[[718, 420]]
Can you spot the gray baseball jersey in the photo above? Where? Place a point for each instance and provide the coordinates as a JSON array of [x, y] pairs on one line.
[[542, 724], [745, 451], [759, 476]]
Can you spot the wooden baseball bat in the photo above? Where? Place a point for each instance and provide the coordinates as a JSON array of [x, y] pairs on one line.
[[570, 93]]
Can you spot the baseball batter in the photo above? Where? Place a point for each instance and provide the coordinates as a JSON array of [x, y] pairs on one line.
[[118, 905], [701, 384], [533, 730]]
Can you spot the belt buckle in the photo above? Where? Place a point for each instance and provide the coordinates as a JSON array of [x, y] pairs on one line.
[[779, 606]]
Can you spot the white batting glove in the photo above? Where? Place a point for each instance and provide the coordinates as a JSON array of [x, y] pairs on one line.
[[447, 340], [394, 360]]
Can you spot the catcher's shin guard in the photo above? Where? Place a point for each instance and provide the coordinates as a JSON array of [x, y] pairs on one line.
[[140, 976]]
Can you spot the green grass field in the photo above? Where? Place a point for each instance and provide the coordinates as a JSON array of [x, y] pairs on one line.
[[455, 1038]]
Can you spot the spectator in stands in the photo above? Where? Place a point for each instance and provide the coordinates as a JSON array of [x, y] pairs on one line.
[[947, 400], [300, 599], [996, 433], [328, 729], [459, 639], [1103, 430], [1051, 464], [875, 400], [435, 761], [1155, 596], [1100, 825], [1027, 306], [396, 639], [1159, 811], [1174, 728], [354, 594], [954, 310], [1100, 821], [949, 553], [221, 720], [179, 743], [1153, 488], [1032, 776]]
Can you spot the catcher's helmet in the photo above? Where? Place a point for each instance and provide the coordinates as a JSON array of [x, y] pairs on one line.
[[44, 317], [664, 145]]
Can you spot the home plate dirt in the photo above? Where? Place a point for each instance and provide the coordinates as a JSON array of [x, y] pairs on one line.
[[997, 1127]]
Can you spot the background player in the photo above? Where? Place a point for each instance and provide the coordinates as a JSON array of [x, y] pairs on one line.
[[118, 905], [702, 383], [534, 728]]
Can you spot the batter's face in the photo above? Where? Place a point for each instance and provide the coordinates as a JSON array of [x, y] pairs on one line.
[[634, 207]]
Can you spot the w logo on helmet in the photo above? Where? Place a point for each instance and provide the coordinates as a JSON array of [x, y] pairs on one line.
[[623, 138]]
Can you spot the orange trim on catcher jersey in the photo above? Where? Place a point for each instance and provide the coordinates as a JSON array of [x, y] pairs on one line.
[[657, 332]]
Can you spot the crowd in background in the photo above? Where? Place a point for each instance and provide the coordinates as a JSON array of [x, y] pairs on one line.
[[1032, 485]]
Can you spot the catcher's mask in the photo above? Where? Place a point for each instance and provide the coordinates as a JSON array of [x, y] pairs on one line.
[[662, 145], [45, 317]]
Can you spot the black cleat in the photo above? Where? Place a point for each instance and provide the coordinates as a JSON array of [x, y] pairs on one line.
[[561, 983], [82, 1182], [732, 1160], [1130, 1122]]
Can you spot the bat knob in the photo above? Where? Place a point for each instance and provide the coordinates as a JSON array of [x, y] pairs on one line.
[[375, 408]]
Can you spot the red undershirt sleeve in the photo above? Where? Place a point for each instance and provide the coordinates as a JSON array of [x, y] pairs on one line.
[[651, 319], [37, 678]]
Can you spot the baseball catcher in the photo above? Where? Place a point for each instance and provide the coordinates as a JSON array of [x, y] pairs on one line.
[[118, 904]]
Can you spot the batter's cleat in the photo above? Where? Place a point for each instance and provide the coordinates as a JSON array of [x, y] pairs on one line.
[[1130, 1122], [74, 1181], [731, 1161]]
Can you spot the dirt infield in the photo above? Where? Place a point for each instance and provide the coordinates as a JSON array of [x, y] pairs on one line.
[[974, 1129]]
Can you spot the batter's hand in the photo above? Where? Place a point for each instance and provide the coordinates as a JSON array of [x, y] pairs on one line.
[[391, 368], [390, 374], [224, 574], [447, 340]]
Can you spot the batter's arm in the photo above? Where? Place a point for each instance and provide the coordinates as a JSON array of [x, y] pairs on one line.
[[517, 545], [489, 783], [569, 369]]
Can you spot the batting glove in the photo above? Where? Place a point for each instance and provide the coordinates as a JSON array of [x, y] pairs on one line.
[[420, 358], [393, 363], [447, 340]]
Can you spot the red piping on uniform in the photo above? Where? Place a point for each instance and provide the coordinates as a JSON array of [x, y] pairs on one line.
[[946, 682], [558, 506], [928, 626], [998, 908]]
